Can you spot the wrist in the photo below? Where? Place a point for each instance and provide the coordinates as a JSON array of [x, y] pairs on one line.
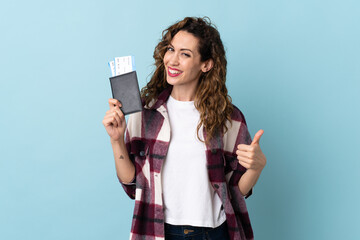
[[255, 171], [117, 141]]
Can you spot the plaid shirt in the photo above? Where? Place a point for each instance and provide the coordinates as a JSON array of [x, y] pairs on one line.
[[147, 141]]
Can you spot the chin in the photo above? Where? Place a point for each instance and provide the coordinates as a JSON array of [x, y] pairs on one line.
[[171, 81]]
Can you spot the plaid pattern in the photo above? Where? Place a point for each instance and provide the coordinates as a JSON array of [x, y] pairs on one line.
[[147, 140]]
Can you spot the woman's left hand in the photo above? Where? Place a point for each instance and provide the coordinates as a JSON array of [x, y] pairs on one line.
[[251, 156]]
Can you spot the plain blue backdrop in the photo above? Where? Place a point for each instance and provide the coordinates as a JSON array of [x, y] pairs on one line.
[[294, 71]]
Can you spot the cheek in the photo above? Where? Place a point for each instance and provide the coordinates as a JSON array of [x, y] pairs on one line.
[[166, 58], [195, 70]]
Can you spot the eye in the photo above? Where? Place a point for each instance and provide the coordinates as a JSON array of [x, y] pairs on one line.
[[170, 49], [186, 55]]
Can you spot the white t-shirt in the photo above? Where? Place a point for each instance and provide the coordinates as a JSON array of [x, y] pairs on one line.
[[189, 199]]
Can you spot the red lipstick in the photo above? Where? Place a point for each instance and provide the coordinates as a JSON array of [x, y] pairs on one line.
[[174, 72]]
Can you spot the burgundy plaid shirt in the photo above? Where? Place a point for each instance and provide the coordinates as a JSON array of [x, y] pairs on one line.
[[147, 141]]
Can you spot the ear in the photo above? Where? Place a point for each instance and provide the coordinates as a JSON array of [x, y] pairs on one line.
[[207, 65]]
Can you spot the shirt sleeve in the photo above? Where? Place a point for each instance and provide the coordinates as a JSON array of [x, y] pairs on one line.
[[243, 137], [129, 187]]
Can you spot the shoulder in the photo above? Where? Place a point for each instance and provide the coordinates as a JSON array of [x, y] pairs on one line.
[[233, 126], [237, 115], [236, 130]]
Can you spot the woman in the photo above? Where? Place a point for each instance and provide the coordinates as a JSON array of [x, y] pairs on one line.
[[187, 159]]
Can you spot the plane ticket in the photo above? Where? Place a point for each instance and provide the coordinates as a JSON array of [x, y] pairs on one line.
[[122, 65]]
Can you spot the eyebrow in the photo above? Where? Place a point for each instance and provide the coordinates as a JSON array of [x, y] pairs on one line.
[[182, 49]]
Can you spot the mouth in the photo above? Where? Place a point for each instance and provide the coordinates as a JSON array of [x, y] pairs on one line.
[[173, 72]]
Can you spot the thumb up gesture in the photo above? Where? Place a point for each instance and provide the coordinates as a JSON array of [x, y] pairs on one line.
[[251, 156]]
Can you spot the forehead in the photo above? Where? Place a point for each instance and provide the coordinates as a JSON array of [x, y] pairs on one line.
[[185, 40]]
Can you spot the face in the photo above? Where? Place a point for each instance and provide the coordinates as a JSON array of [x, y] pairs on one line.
[[183, 61]]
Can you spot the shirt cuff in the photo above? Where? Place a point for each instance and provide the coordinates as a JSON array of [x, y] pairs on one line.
[[248, 194], [133, 182]]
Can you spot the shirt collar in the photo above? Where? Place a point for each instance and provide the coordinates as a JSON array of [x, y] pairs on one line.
[[162, 98]]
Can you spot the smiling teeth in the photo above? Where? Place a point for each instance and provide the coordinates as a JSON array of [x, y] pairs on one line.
[[174, 72]]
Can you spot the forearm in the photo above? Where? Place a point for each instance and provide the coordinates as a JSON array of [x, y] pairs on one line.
[[248, 180], [125, 169]]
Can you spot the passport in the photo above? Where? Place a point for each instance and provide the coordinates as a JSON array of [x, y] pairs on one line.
[[124, 85]]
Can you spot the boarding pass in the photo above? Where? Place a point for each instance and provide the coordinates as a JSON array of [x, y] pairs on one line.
[[122, 65]]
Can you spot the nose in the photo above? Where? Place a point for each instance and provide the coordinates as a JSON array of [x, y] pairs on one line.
[[174, 59]]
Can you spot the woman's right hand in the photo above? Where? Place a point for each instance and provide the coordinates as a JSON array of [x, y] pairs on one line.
[[114, 121]]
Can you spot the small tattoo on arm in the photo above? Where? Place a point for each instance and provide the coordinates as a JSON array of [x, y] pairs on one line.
[[121, 157]]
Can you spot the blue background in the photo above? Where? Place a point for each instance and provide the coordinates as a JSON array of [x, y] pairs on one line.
[[294, 71]]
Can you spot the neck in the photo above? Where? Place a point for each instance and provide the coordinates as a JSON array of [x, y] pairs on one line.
[[183, 93]]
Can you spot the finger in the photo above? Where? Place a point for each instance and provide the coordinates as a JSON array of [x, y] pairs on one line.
[[117, 113], [244, 159], [108, 120], [244, 147], [112, 117], [121, 114], [244, 164], [114, 102], [257, 137], [249, 155], [118, 119], [111, 111]]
